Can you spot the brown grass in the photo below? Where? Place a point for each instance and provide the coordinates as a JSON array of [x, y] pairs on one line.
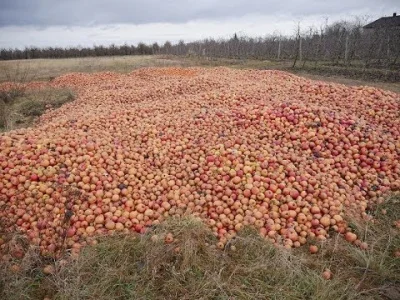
[[48, 69], [144, 267], [19, 108]]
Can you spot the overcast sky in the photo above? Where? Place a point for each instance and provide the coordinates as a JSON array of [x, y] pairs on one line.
[[88, 22]]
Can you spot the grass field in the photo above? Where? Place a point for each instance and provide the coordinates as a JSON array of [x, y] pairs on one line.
[[46, 69]]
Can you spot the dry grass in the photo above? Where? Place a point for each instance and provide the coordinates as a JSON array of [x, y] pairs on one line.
[[145, 267], [390, 86], [17, 71], [20, 108], [48, 69]]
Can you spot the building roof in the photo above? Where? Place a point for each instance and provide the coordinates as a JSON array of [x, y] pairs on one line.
[[385, 22]]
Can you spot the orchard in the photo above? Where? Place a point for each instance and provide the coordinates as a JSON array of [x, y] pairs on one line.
[[296, 159]]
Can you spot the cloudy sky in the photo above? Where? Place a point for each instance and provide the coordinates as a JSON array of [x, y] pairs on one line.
[[88, 22]]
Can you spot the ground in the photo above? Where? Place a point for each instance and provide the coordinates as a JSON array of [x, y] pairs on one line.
[[191, 267]]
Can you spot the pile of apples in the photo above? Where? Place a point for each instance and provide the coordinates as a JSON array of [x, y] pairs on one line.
[[291, 157]]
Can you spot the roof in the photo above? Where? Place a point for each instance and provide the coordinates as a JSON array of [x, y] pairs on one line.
[[385, 22]]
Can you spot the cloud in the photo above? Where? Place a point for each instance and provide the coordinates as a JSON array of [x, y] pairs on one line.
[[255, 25], [99, 12], [66, 23]]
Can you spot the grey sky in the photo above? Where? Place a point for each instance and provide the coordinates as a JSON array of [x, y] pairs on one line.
[[40, 22]]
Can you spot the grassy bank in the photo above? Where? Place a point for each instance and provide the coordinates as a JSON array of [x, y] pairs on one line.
[[190, 266], [19, 108]]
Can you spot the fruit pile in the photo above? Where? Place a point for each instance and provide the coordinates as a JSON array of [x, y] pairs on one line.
[[292, 157]]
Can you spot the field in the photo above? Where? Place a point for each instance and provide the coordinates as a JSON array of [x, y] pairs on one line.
[[47, 69], [176, 179]]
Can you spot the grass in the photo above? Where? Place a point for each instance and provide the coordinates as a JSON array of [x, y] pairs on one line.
[[370, 76], [48, 69], [17, 72], [19, 108], [191, 267]]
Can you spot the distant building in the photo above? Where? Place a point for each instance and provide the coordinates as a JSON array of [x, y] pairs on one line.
[[385, 23]]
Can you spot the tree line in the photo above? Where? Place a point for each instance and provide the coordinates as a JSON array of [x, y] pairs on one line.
[[69, 52], [341, 43]]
